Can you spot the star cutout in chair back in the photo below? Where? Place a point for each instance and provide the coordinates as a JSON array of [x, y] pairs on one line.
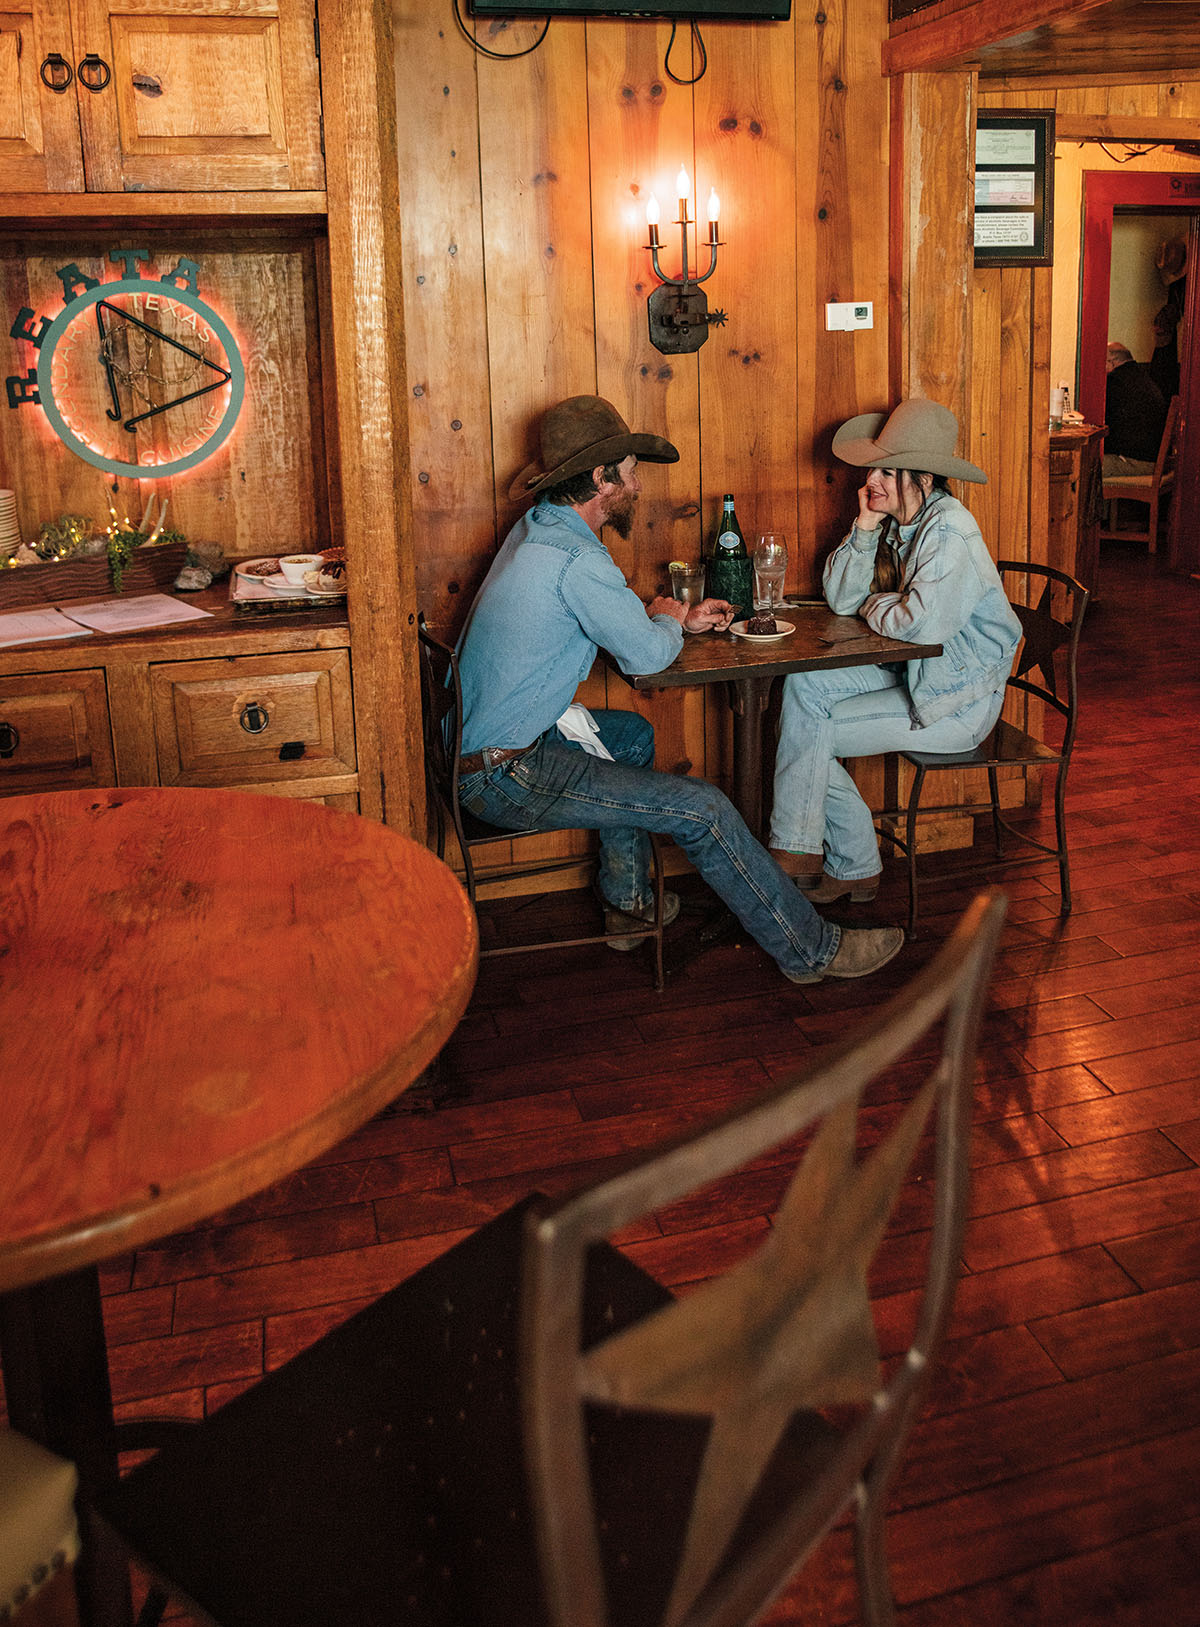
[[788, 1328], [1043, 636]]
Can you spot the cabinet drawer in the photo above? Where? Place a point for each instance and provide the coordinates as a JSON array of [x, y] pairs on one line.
[[253, 718], [54, 732]]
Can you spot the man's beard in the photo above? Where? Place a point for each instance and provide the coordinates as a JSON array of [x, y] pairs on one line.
[[619, 513]]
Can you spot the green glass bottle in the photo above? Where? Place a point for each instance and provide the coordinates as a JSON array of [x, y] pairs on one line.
[[730, 573]]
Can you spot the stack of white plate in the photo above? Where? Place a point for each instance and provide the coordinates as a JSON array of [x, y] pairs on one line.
[[10, 531]]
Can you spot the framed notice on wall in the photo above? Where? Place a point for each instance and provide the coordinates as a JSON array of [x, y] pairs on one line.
[[1014, 188]]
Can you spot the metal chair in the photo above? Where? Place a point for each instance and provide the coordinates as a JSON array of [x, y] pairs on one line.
[[1050, 644], [531, 1431], [1148, 488], [441, 714]]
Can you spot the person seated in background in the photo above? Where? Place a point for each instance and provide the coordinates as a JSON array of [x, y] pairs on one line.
[[914, 566], [1135, 412], [534, 760]]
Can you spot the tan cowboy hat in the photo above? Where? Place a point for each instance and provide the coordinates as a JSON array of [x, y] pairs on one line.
[[918, 435], [582, 433]]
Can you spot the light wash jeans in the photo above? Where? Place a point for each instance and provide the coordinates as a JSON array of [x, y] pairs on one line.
[[556, 785], [851, 712]]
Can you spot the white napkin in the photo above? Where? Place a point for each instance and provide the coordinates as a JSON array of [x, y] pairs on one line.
[[578, 724]]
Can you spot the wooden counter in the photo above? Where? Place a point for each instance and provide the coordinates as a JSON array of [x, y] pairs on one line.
[[257, 702], [1075, 501]]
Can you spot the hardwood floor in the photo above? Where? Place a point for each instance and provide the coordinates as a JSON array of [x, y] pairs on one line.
[[1056, 1475]]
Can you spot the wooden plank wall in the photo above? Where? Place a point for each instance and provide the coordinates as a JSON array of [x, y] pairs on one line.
[[523, 190]]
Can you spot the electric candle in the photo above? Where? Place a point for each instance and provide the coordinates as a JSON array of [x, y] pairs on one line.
[[684, 188], [652, 219]]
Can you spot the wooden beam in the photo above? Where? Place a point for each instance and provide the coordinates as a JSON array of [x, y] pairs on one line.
[[951, 35], [362, 181], [1133, 128]]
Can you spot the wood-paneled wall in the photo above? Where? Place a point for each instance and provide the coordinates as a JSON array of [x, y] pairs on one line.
[[523, 192]]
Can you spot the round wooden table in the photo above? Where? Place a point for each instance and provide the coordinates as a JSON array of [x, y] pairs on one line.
[[200, 991]]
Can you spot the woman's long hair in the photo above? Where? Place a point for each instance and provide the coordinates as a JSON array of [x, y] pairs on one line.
[[888, 576]]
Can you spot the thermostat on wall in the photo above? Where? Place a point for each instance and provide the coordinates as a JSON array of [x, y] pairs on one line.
[[855, 314]]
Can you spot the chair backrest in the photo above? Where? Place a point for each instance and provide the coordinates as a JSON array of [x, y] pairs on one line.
[[1168, 447], [441, 727], [1051, 640], [780, 1335]]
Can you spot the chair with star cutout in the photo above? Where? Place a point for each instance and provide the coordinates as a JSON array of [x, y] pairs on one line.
[[532, 1431], [1050, 643]]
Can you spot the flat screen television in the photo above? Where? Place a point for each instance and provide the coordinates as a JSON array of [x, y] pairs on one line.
[[774, 11]]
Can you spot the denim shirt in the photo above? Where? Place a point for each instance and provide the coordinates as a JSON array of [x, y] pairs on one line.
[[951, 595], [552, 596]]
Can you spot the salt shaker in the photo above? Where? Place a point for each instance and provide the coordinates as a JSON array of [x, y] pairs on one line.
[[1057, 407]]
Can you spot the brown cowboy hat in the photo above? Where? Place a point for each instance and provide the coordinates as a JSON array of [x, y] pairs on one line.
[[582, 433], [918, 435]]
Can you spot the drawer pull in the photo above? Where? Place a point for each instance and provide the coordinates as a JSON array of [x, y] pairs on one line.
[[10, 739], [254, 718], [291, 751]]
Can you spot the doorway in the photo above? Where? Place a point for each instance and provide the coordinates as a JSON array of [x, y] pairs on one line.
[[1167, 194]]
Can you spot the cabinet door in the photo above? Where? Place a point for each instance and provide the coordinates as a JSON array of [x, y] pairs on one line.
[[39, 128], [254, 718], [54, 732], [202, 97]]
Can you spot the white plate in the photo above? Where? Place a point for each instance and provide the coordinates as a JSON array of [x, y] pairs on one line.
[[785, 627], [256, 576], [327, 593]]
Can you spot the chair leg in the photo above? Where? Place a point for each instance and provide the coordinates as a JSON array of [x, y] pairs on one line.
[[1060, 827], [910, 836], [997, 828]]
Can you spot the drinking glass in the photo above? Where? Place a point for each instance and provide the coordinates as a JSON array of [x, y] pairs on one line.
[[687, 581], [770, 567]]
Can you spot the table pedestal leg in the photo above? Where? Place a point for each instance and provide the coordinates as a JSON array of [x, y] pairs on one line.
[[57, 1389], [748, 697]]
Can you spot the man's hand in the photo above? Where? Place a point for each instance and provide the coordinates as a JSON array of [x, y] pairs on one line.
[[663, 605], [867, 521], [709, 616]]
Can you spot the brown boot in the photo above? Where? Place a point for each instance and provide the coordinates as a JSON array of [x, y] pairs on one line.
[[805, 869], [831, 889]]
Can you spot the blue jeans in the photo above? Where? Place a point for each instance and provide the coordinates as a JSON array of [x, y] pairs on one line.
[[850, 712], [556, 785]]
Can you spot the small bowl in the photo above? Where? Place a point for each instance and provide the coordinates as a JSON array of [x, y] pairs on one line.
[[295, 566]]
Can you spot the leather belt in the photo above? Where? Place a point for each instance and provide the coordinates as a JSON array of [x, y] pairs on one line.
[[490, 757]]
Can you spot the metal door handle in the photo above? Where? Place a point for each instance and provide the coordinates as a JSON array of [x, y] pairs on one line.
[[94, 73], [10, 739], [254, 717], [56, 73]]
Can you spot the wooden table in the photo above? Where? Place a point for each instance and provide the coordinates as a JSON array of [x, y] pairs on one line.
[[821, 640], [201, 991]]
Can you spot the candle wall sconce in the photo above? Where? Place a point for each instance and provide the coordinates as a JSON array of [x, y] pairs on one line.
[[678, 308]]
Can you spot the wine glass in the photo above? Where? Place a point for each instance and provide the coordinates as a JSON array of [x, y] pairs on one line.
[[770, 567]]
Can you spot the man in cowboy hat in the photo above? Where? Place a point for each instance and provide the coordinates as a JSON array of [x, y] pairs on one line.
[[534, 760], [913, 566]]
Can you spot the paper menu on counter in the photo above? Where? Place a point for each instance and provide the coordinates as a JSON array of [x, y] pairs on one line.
[[131, 615], [34, 626]]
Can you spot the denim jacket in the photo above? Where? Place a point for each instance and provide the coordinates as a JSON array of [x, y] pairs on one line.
[[552, 596], [951, 595]]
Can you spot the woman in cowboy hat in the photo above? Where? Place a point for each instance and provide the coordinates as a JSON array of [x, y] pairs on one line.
[[914, 566]]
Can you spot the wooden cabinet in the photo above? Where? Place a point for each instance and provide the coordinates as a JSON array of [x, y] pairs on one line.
[[260, 705], [160, 96], [251, 718], [1075, 499], [54, 732]]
